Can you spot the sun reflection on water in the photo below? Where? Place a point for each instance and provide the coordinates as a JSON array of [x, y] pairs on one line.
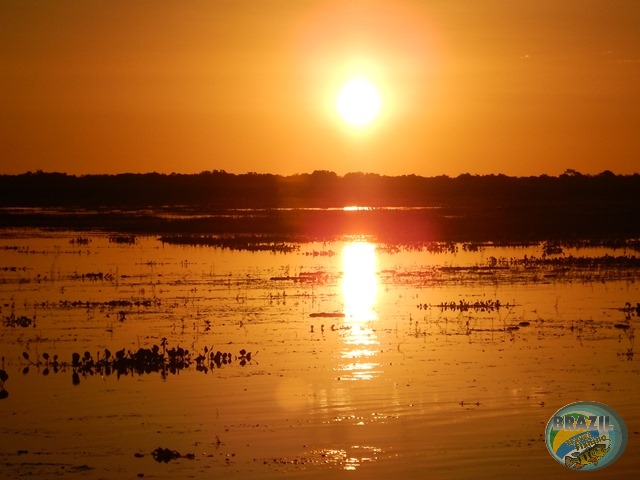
[[359, 281], [359, 290], [349, 460]]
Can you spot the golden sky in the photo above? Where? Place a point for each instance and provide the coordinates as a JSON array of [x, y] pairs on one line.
[[466, 86]]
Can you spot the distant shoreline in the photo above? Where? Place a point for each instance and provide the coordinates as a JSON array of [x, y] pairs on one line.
[[406, 208], [447, 224]]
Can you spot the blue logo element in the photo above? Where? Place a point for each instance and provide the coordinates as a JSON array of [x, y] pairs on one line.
[[586, 436]]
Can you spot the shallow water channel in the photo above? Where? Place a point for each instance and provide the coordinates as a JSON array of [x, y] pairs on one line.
[[346, 358]]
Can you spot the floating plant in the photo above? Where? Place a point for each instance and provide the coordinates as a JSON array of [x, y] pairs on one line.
[[303, 277], [123, 239], [165, 455], [622, 326], [250, 243], [80, 241], [630, 310], [3, 378], [320, 253], [157, 359], [91, 276], [147, 303], [21, 321], [628, 354], [464, 306]]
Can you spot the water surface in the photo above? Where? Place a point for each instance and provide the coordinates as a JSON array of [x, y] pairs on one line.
[[386, 360]]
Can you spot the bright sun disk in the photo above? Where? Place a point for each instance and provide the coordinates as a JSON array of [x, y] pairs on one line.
[[358, 102]]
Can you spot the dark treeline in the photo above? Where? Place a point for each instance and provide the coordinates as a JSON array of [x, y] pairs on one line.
[[467, 207], [318, 189]]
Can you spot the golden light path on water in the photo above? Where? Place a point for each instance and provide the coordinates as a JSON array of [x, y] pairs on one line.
[[359, 291], [359, 281]]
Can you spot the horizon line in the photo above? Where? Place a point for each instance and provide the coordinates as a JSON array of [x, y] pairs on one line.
[[566, 173]]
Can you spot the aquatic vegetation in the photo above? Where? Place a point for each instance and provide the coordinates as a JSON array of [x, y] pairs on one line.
[[123, 239], [3, 378], [630, 310], [80, 241], [446, 323], [18, 321], [552, 248], [47, 362], [303, 277], [618, 243], [622, 326], [108, 277], [157, 359], [251, 243], [434, 247], [165, 455], [465, 306], [121, 303], [320, 253], [524, 270], [13, 269], [629, 353]]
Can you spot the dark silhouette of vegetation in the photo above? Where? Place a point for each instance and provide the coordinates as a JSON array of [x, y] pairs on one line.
[[165, 455], [401, 208], [320, 189], [157, 359], [251, 243], [3, 378], [20, 321]]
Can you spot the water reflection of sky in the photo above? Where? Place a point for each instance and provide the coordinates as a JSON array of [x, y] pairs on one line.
[[359, 291], [291, 389]]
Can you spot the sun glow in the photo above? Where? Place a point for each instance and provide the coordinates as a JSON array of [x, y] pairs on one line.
[[358, 102]]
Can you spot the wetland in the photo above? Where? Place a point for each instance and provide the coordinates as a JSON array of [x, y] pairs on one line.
[[312, 326], [183, 356]]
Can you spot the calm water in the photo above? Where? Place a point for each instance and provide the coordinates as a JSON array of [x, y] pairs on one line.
[[365, 358]]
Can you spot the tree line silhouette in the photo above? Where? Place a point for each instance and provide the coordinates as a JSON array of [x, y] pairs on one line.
[[466, 207], [321, 188]]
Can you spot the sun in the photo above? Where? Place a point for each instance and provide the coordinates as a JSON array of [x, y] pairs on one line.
[[358, 102]]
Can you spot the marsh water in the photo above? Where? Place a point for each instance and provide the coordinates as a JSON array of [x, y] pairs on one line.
[[344, 358]]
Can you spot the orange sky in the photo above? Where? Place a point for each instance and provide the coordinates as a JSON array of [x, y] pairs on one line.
[[468, 86]]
